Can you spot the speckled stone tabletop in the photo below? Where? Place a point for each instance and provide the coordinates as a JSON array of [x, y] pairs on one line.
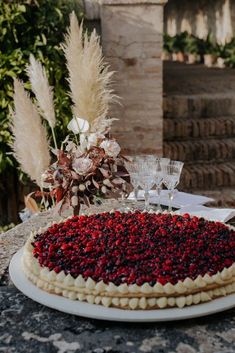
[[26, 326]]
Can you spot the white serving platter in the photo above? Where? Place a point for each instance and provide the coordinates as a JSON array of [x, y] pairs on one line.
[[100, 312]]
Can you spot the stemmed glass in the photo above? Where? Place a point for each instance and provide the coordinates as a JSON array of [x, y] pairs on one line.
[[147, 172], [132, 168], [146, 183], [124, 195], [171, 177], [160, 164]]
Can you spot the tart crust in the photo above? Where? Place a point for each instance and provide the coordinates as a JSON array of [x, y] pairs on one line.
[[124, 296]]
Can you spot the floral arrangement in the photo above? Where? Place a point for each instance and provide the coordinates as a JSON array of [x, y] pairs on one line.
[[88, 164]]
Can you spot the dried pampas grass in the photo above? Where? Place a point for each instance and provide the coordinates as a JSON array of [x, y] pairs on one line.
[[73, 49], [30, 143], [89, 75], [43, 92]]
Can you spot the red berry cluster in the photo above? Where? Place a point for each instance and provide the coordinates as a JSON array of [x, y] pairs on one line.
[[136, 247]]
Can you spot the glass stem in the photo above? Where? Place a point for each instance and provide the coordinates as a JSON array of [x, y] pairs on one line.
[[146, 199], [170, 201], [123, 200], [159, 198], [136, 194]]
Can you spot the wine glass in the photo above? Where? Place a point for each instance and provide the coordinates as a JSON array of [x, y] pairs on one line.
[[147, 172], [171, 177], [146, 182], [160, 164], [132, 168], [146, 161], [164, 161], [123, 207]]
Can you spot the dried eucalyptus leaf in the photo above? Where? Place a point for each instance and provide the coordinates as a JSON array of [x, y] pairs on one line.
[[86, 201], [104, 172], [95, 183], [117, 181], [122, 173], [74, 175], [107, 182]]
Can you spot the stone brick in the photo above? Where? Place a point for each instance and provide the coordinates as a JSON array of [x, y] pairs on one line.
[[222, 127], [199, 106], [213, 150], [207, 176]]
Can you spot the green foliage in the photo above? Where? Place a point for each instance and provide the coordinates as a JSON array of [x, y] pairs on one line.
[[36, 27], [222, 51], [191, 44], [208, 45], [228, 53], [168, 43], [182, 42], [179, 42]]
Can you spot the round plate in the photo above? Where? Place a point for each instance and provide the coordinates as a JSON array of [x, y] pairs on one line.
[[100, 312]]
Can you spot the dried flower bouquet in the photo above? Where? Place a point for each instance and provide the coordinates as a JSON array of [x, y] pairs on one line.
[[88, 165]]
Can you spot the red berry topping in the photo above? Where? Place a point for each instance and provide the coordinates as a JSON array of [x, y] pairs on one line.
[[136, 247]]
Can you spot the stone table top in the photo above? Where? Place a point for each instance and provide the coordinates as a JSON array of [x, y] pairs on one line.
[[26, 326]]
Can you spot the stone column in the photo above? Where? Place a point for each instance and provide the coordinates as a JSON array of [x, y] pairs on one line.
[[132, 32]]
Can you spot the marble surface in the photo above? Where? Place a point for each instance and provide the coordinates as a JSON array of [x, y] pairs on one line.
[[26, 326]]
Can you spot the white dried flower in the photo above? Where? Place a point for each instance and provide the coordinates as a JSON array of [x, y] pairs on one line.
[[82, 165], [45, 184], [78, 125], [92, 139], [111, 147], [70, 146]]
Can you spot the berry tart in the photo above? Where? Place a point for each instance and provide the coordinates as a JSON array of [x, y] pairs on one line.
[[133, 260]]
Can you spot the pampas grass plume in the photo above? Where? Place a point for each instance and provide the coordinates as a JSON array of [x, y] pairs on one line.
[[42, 90], [73, 49], [30, 143], [89, 75]]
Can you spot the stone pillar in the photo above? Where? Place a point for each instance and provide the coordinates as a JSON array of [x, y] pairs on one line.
[[132, 32]]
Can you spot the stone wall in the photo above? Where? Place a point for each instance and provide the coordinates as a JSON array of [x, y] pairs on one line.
[[132, 44], [201, 17]]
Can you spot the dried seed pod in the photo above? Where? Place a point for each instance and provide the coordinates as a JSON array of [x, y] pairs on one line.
[[75, 189], [82, 187], [74, 201]]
